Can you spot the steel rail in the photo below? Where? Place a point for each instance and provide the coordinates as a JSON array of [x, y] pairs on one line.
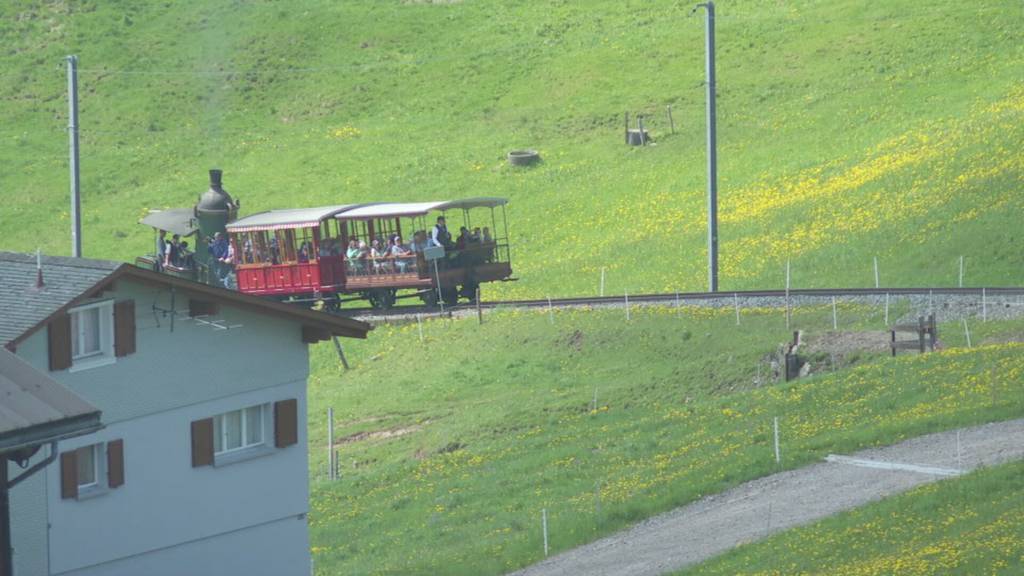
[[689, 297]]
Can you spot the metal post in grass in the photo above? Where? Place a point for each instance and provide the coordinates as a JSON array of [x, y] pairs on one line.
[[551, 311], [984, 306], [677, 298], [931, 303], [544, 527], [627, 305], [479, 310], [835, 317], [886, 309], [788, 312], [778, 460], [967, 333], [76, 193], [736, 305], [959, 461], [330, 443], [876, 271], [671, 122], [709, 8], [961, 283], [602, 282]]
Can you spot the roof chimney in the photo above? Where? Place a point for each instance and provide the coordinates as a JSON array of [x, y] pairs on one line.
[[39, 269]]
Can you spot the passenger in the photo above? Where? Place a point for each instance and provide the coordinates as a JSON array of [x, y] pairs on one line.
[[487, 235], [352, 255], [439, 235], [171, 254], [476, 235], [378, 256], [463, 239], [185, 259], [218, 246], [247, 251], [400, 254], [161, 251], [275, 251], [229, 257], [325, 247], [303, 255], [419, 241]]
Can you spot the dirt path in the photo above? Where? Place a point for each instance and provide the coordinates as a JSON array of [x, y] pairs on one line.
[[751, 511]]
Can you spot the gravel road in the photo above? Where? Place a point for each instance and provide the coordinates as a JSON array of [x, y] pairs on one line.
[[751, 511]]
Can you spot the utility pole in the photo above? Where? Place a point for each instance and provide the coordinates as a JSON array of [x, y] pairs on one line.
[[709, 7], [76, 203]]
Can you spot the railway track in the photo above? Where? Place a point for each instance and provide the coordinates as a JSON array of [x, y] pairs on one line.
[[748, 297]]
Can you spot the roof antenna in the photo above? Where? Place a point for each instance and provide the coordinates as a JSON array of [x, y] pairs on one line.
[[39, 269]]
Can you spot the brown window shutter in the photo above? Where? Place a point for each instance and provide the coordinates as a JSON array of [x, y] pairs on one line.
[[286, 423], [115, 463], [69, 475], [201, 308], [59, 334], [202, 442], [124, 328]]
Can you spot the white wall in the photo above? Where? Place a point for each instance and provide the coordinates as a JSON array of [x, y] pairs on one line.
[[166, 507], [28, 519], [227, 554], [164, 502]]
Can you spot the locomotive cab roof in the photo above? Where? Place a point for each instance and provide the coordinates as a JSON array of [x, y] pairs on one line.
[[179, 221]]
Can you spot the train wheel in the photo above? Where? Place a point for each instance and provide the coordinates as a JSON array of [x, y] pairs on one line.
[[429, 297], [450, 295], [381, 298]]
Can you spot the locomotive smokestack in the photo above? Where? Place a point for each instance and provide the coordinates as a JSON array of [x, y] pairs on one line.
[[215, 175]]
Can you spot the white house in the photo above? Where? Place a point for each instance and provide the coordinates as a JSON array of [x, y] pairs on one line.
[[201, 467]]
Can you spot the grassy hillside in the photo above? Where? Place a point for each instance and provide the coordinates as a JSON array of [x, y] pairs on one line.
[[450, 447], [970, 525], [848, 130]]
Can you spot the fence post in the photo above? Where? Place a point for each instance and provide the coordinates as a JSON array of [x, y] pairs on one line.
[[544, 525], [736, 304], [778, 459], [835, 318], [551, 311], [876, 271], [627, 305], [984, 306], [479, 310], [330, 443], [961, 283], [671, 122], [788, 312], [886, 309], [602, 282]]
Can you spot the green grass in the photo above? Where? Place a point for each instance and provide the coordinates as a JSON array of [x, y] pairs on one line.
[[848, 130], [969, 525], [496, 422]]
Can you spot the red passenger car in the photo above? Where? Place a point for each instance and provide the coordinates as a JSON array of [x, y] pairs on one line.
[[371, 251]]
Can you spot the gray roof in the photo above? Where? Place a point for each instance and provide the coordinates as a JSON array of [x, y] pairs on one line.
[[64, 279], [287, 218], [35, 409], [174, 220]]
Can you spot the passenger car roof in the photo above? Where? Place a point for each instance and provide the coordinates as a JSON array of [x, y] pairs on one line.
[[396, 209]]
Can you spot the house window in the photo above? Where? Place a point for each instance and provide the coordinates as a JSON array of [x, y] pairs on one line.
[[238, 429], [92, 335], [88, 471]]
